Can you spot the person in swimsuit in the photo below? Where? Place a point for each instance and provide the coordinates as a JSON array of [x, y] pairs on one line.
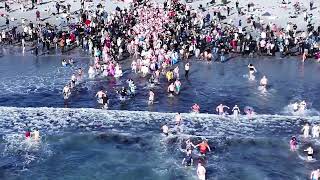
[[165, 129], [188, 160], [309, 151], [151, 97], [252, 70], [315, 175], [203, 147], [189, 145], [195, 108], [236, 112], [293, 143], [201, 172], [171, 89], [27, 133]]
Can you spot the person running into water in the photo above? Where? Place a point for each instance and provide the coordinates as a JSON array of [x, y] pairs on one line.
[[309, 151], [178, 119], [306, 130], [171, 89], [188, 160], [73, 81], [100, 95], [189, 145], [151, 97], [315, 131], [35, 135], [203, 147], [201, 171], [186, 70], [315, 175], [195, 108], [236, 112], [66, 92], [293, 143], [220, 109], [302, 106], [165, 129], [177, 85], [252, 70], [295, 106]]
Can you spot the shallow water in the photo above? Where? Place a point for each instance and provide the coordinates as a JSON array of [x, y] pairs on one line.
[[80, 142], [28, 81], [93, 144]]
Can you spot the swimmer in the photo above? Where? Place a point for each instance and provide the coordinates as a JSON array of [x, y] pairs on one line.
[[293, 143], [188, 160], [203, 147], [178, 119], [220, 109], [309, 151], [169, 75], [151, 97], [306, 130], [236, 112], [315, 131], [315, 175], [195, 108], [71, 61], [165, 129], [201, 172], [264, 82], [66, 91], [171, 89], [105, 102]]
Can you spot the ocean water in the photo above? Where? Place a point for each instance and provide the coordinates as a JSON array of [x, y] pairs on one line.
[[97, 144], [80, 141]]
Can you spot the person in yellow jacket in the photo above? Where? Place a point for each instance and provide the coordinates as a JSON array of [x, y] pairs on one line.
[[169, 75]]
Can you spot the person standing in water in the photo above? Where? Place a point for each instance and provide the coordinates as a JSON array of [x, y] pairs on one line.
[[315, 131], [293, 143], [201, 172], [36, 135], [165, 129], [178, 119], [315, 175], [151, 97], [66, 92], [186, 70], [203, 147], [236, 112], [264, 82], [306, 130], [100, 94], [195, 108], [220, 109], [302, 106], [177, 85], [188, 160], [252, 70], [171, 89], [309, 151]]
